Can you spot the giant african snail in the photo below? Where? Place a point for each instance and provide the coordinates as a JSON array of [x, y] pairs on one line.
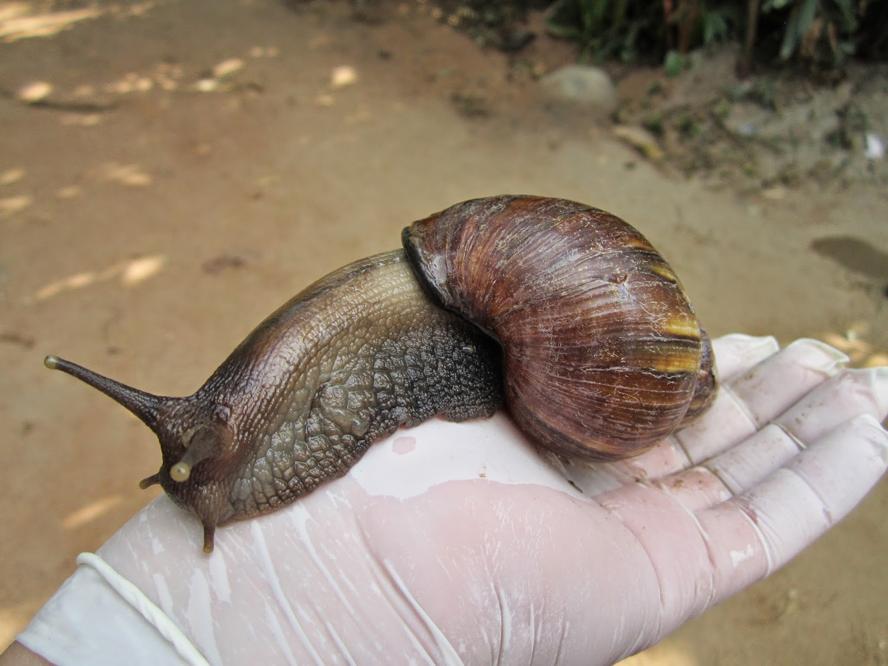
[[575, 318]]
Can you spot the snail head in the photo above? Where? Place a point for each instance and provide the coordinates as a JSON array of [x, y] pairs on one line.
[[197, 441]]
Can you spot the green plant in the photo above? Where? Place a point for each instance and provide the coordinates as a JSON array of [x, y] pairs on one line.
[[606, 29], [818, 31], [674, 63], [636, 30]]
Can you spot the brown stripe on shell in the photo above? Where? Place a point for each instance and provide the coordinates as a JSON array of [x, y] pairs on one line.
[[602, 350]]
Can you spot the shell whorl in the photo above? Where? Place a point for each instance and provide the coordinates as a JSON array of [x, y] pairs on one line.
[[603, 354]]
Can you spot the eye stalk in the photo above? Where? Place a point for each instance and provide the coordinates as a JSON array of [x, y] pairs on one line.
[[147, 407], [180, 472], [204, 441], [201, 443]]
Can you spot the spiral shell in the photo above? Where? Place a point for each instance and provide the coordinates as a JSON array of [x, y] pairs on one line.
[[603, 354]]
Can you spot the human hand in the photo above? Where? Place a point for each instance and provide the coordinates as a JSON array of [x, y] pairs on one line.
[[454, 542]]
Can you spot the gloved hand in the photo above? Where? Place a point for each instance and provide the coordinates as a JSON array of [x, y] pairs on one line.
[[463, 542]]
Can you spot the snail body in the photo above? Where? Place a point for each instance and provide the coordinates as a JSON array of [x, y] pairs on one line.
[[565, 311]]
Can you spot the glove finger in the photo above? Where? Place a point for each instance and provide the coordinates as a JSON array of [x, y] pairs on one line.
[[736, 353], [782, 377], [848, 394], [758, 395], [752, 535], [851, 392]]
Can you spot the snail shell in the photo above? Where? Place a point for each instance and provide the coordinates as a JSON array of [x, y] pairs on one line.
[[603, 355]]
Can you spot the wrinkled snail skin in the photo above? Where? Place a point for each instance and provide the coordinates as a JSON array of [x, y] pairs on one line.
[[564, 309]]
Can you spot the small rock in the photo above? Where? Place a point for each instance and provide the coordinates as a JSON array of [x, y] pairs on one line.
[[875, 147], [582, 85], [640, 139]]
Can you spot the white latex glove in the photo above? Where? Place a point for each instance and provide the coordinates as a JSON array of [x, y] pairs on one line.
[[462, 542]]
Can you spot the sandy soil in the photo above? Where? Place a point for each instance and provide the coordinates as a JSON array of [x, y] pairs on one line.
[[193, 164]]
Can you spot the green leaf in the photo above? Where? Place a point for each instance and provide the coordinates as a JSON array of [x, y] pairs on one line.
[[715, 28], [848, 15], [674, 63], [799, 23], [774, 5], [563, 31]]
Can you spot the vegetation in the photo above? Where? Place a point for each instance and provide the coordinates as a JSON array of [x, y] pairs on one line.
[[821, 33], [815, 33]]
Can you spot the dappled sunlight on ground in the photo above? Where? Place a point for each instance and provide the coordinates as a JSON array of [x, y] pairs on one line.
[[132, 82], [227, 67], [856, 343], [20, 20], [81, 120], [68, 192], [164, 75], [90, 512], [130, 273], [84, 90], [668, 653], [88, 99], [24, 20], [342, 76], [14, 204], [264, 52], [131, 175], [139, 270], [34, 91], [11, 176]]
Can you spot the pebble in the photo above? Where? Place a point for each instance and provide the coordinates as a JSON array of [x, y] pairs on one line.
[[581, 85]]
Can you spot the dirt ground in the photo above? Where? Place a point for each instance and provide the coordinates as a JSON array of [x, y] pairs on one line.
[[171, 171]]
